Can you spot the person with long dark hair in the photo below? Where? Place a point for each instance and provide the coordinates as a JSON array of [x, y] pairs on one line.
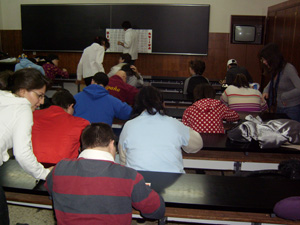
[[25, 92], [283, 91], [241, 97], [152, 141]]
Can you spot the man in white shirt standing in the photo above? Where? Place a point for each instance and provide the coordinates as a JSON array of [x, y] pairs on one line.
[[91, 60], [130, 43]]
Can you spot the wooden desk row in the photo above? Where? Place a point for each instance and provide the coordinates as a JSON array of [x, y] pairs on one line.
[[188, 197], [219, 153]]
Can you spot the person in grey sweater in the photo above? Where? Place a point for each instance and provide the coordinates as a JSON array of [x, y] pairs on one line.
[[283, 90]]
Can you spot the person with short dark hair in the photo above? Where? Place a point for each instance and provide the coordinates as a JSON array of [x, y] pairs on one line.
[[93, 189], [206, 115], [119, 88], [56, 132], [134, 78], [152, 141], [51, 68], [124, 59], [130, 43], [91, 60], [233, 69], [95, 103], [241, 97], [283, 91], [196, 69]]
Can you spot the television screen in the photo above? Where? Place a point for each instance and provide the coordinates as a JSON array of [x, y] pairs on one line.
[[244, 33]]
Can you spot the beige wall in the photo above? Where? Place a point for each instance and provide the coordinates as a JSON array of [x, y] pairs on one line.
[[220, 11], [1, 16]]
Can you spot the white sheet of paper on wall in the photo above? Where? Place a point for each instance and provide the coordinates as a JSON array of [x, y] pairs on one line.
[[115, 35]]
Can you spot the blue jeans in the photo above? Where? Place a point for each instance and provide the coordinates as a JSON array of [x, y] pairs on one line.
[[293, 112]]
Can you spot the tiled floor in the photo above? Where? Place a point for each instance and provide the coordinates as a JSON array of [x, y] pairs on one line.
[[34, 216], [31, 216]]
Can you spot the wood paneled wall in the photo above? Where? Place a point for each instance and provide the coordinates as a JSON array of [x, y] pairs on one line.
[[220, 50], [283, 28]]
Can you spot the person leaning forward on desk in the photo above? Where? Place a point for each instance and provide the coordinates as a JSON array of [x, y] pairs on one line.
[[93, 189], [152, 141], [91, 60], [25, 92]]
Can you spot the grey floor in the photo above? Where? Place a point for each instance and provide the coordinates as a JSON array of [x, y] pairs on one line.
[[31, 216], [34, 216]]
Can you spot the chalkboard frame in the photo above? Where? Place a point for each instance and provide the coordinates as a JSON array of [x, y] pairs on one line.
[[57, 30]]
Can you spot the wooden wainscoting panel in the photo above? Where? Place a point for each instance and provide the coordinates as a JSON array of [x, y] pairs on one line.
[[11, 42], [219, 51]]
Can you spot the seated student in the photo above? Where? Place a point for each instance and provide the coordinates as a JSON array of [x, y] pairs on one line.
[[240, 97], [152, 141], [93, 189], [95, 104], [51, 68], [55, 132], [118, 87], [29, 63], [233, 69], [134, 78], [196, 68], [124, 59], [206, 114]]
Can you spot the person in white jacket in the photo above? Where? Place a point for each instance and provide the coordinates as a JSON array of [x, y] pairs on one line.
[[28, 87], [91, 60], [27, 90], [130, 42]]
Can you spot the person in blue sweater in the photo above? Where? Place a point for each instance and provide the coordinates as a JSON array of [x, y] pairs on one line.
[[29, 63], [95, 104]]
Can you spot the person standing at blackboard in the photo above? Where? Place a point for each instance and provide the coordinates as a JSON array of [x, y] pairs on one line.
[[130, 43], [91, 60]]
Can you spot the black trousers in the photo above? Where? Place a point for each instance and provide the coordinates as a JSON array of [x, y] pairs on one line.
[[88, 81], [4, 218]]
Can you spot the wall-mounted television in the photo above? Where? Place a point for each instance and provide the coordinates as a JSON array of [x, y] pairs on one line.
[[244, 33], [247, 29]]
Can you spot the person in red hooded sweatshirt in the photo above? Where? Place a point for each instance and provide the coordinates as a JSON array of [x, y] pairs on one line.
[[206, 115]]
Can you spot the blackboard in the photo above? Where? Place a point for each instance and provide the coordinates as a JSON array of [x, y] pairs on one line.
[[177, 29]]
